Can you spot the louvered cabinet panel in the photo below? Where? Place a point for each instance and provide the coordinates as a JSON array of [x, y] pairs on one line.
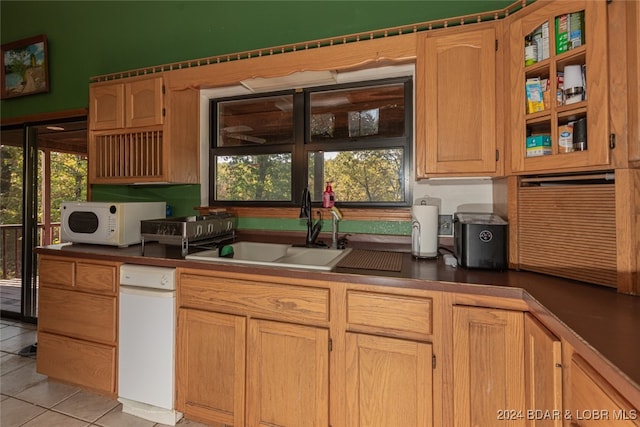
[[569, 231], [133, 155]]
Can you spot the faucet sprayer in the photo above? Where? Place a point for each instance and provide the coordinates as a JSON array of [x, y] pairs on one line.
[[313, 230]]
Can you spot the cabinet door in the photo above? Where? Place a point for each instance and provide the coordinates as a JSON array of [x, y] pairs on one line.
[[100, 278], [593, 402], [77, 362], [57, 272], [550, 118], [543, 374], [287, 375], [389, 382], [456, 103], [210, 368], [106, 106], [78, 314], [488, 367], [144, 102]]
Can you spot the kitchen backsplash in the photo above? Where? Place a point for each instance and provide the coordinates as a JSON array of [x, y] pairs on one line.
[[453, 195]]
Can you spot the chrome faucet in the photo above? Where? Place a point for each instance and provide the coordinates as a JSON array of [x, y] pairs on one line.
[[336, 217]]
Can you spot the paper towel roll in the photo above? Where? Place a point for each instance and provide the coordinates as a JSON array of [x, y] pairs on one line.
[[424, 231], [573, 84]]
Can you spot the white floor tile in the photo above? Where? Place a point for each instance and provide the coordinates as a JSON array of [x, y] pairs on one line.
[[86, 406], [14, 412], [18, 342], [10, 362], [116, 418], [55, 419], [48, 393], [20, 379]]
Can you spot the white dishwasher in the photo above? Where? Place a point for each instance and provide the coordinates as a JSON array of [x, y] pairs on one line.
[[146, 347]]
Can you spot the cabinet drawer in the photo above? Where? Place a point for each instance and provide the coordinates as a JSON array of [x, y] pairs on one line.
[[397, 313], [74, 361], [99, 278], [77, 314], [56, 272], [254, 298]]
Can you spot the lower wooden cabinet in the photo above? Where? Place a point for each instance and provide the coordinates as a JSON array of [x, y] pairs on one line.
[[269, 351], [488, 367], [542, 375], [77, 322], [590, 400], [288, 375], [275, 373], [80, 362], [210, 366], [389, 382]]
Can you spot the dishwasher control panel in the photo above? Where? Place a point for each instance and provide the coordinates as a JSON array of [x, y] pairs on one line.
[[145, 276]]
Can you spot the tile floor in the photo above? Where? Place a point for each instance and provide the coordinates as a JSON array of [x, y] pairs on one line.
[[30, 399]]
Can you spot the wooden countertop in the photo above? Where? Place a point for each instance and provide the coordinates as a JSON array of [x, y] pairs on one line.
[[600, 318]]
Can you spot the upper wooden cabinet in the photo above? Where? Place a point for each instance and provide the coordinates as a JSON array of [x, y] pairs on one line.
[[456, 102], [135, 138], [127, 104], [558, 64], [106, 106]]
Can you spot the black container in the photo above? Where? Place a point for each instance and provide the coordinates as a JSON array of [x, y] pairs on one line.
[[480, 240], [580, 134]]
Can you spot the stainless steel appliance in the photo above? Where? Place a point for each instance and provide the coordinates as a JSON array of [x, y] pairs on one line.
[[146, 349], [480, 240], [204, 231], [104, 223]]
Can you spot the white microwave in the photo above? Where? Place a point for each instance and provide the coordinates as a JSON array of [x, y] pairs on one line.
[[104, 223]]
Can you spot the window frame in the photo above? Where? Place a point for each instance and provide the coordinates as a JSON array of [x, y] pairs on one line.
[[302, 145]]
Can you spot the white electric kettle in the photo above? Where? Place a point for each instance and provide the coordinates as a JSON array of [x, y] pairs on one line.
[[424, 231]]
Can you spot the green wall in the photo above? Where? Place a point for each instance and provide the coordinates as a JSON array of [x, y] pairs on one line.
[[89, 38]]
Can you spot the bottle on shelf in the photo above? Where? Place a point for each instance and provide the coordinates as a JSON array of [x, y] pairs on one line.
[[328, 197], [530, 51]]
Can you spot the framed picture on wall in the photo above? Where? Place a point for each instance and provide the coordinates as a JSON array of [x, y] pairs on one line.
[[25, 67]]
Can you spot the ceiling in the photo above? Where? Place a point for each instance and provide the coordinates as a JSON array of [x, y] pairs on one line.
[[64, 136]]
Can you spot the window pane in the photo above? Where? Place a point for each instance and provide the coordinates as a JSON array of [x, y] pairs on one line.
[[359, 176], [376, 111], [255, 121], [262, 177], [68, 180]]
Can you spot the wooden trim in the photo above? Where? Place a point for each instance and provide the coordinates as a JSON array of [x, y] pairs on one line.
[[627, 204], [619, 88], [43, 117], [356, 214], [633, 61]]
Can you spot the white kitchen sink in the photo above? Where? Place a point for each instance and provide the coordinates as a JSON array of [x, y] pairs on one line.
[[276, 255]]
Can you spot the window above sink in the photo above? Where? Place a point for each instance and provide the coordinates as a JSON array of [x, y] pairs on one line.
[[266, 148]]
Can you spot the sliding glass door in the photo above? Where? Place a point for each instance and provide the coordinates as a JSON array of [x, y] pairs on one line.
[[42, 165], [11, 219]]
